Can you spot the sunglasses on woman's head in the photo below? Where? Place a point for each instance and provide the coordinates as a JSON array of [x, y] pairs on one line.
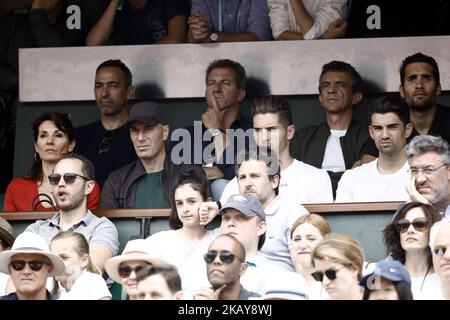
[[420, 224], [125, 270], [34, 265], [69, 178], [224, 256], [329, 273]]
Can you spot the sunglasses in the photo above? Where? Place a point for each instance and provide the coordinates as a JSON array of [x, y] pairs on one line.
[[105, 146], [125, 271], [440, 250], [224, 256], [69, 178], [420, 224], [34, 265], [330, 274]]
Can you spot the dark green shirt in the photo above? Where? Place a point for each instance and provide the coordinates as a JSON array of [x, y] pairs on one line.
[[149, 192]]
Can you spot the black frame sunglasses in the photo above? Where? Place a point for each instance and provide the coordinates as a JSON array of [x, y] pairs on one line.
[[34, 265], [331, 274], [69, 178], [125, 270], [419, 224], [440, 250], [225, 256]]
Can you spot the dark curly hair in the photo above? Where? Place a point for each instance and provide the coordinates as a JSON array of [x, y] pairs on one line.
[[391, 235]]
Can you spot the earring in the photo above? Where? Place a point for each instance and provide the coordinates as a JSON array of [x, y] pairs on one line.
[[36, 156]]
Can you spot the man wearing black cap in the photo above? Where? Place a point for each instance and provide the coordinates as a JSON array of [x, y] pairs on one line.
[[139, 184]]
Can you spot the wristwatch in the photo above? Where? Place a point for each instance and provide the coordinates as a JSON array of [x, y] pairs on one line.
[[215, 132], [213, 37]]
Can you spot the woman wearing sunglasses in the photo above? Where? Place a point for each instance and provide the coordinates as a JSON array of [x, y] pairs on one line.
[[185, 245], [306, 233], [81, 279], [54, 135], [338, 261], [406, 240]]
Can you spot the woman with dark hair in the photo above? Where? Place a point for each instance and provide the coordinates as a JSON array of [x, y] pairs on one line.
[[185, 244], [54, 135], [406, 239]]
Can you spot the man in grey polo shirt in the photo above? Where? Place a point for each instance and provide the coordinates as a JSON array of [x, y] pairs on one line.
[[72, 181]]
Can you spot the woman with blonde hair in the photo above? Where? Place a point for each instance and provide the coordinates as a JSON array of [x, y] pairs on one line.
[[306, 233], [81, 279], [338, 261]]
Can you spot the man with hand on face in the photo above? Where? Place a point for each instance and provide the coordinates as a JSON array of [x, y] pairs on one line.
[[225, 264], [73, 180]]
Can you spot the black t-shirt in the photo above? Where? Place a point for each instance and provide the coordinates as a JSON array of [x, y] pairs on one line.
[[149, 24], [117, 149]]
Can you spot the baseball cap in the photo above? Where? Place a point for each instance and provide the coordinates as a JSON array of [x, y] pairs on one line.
[[247, 204], [147, 111]]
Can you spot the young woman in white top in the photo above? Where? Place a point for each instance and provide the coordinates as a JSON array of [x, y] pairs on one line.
[[406, 240], [306, 233], [187, 242], [81, 279], [338, 261]]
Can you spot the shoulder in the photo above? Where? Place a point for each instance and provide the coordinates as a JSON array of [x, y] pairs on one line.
[[305, 168], [162, 235], [312, 130], [22, 183], [89, 128], [123, 172]]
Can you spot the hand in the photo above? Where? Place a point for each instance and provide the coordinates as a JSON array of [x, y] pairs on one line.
[[207, 212], [208, 293], [336, 30], [213, 117], [414, 194], [198, 25]]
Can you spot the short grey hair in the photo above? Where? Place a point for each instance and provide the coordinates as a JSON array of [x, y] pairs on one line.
[[422, 144], [435, 229]]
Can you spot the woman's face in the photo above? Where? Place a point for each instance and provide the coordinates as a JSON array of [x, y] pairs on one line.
[[51, 142], [385, 291], [188, 201], [73, 262], [343, 284], [128, 275], [304, 239], [412, 239]]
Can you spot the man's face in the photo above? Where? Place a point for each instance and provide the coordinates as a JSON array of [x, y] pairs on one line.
[[244, 228], [442, 263], [154, 287], [219, 272], [336, 93], [269, 132], [29, 282], [111, 91], [253, 179], [419, 88], [148, 140], [221, 84], [71, 196], [389, 133], [435, 186]]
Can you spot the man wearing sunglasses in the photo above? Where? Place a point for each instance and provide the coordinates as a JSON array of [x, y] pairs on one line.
[[440, 247], [225, 264], [72, 181], [29, 263], [429, 159]]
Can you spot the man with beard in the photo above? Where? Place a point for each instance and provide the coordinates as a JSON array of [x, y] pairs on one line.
[[429, 159], [73, 180], [225, 264], [420, 87], [106, 142], [386, 178]]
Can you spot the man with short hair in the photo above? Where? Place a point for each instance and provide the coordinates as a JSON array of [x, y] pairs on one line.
[[338, 143], [386, 178], [106, 142], [159, 282], [440, 247], [273, 127], [140, 184], [29, 263], [225, 264], [429, 160], [73, 180]]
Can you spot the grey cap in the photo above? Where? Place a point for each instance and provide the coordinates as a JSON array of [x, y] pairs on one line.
[[390, 270], [247, 204], [147, 111]]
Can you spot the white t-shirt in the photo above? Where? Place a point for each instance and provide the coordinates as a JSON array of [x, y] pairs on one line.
[[299, 182], [280, 216], [3, 282], [333, 159], [89, 286], [189, 261], [430, 285], [366, 184]]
